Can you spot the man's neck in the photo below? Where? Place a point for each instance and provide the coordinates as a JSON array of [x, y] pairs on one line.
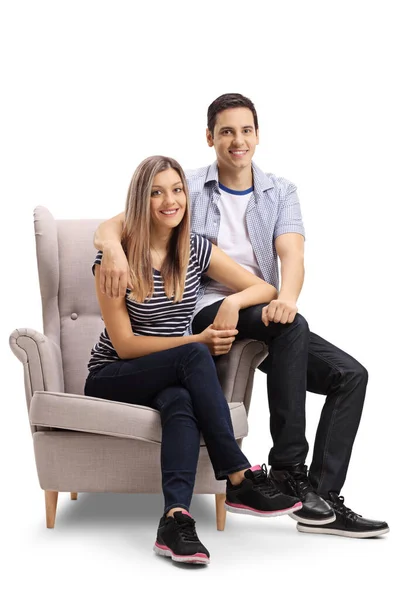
[[239, 179]]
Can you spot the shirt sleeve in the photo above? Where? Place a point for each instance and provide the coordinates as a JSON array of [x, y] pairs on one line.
[[289, 216], [202, 248], [97, 260]]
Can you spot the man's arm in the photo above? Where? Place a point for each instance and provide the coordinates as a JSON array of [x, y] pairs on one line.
[[109, 232], [114, 273], [290, 249], [249, 289]]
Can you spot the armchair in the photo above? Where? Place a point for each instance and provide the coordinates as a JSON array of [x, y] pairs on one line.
[[85, 444]]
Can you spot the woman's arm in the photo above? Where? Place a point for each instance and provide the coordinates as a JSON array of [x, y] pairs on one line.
[[128, 345], [249, 288]]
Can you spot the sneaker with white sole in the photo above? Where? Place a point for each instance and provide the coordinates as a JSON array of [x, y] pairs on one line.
[[294, 481], [258, 495], [177, 539], [347, 523]]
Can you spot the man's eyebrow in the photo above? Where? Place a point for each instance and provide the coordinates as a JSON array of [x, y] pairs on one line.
[[231, 127]]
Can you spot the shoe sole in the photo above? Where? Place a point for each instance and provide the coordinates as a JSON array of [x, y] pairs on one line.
[[193, 559], [350, 534], [313, 521], [240, 509]]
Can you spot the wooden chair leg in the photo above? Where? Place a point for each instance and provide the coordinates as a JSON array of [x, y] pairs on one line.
[[51, 498], [221, 512], [74, 495]]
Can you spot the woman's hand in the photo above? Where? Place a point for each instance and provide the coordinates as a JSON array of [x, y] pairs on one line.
[[217, 341], [227, 316], [114, 271]]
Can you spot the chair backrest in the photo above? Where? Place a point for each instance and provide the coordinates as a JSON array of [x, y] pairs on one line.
[[71, 314]]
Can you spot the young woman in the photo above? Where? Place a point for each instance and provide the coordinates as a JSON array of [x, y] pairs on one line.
[[143, 356]]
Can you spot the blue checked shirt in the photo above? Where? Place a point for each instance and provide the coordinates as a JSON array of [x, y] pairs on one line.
[[273, 209]]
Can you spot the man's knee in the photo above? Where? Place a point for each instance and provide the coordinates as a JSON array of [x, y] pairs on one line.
[[358, 372], [364, 375], [354, 377], [251, 325], [301, 322]]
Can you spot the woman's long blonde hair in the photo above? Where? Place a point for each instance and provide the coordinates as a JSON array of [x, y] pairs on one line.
[[136, 234]]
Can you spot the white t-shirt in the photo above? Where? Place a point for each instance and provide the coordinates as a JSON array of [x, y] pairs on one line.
[[233, 238]]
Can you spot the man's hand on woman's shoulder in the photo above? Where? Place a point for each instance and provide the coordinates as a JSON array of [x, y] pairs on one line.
[[114, 271]]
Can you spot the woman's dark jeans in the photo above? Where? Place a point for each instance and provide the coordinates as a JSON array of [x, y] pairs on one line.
[[182, 384], [301, 361]]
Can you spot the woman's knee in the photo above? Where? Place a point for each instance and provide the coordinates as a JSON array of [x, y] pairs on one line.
[[197, 347], [196, 353], [171, 398]]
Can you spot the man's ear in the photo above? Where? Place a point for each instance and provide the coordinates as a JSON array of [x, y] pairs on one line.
[[209, 137], [258, 136]]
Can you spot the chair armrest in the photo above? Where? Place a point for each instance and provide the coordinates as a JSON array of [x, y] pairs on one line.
[[236, 370], [41, 359]]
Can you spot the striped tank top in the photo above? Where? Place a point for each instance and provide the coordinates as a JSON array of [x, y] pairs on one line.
[[158, 316]]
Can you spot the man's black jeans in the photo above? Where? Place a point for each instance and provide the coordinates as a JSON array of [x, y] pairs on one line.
[[182, 384], [298, 361]]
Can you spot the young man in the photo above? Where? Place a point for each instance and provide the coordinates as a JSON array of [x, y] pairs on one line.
[[255, 217]]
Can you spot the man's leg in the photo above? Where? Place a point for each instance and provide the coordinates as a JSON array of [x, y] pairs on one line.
[[287, 378], [331, 372], [343, 381]]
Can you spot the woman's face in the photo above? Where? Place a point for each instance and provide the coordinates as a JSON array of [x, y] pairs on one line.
[[167, 200]]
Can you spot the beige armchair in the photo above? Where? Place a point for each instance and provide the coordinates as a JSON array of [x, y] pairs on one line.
[[85, 444]]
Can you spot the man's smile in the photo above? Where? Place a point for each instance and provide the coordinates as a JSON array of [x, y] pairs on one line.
[[238, 152]]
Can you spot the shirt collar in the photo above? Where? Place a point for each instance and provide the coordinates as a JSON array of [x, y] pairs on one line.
[[261, 181], [212, 173]]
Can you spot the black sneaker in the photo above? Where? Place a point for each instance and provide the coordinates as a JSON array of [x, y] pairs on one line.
[[294, 481], [257, 495], [347, 523], [177, 539]]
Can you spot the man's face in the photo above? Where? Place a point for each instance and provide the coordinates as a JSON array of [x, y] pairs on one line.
[[235, 138]]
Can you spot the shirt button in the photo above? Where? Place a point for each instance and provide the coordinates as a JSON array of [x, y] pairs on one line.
[[74, 316]]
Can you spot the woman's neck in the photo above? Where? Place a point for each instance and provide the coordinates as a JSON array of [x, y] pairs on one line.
[[160, 240], [159, 248]]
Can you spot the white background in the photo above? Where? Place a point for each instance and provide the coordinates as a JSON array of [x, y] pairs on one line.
[[89, 89]]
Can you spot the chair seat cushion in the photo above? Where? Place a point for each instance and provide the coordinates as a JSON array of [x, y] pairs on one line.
[[106, 417]]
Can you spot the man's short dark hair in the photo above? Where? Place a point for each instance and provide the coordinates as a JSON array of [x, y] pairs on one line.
[[228, 101]]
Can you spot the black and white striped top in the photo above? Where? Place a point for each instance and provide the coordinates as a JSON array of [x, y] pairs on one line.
[[159, 316]]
